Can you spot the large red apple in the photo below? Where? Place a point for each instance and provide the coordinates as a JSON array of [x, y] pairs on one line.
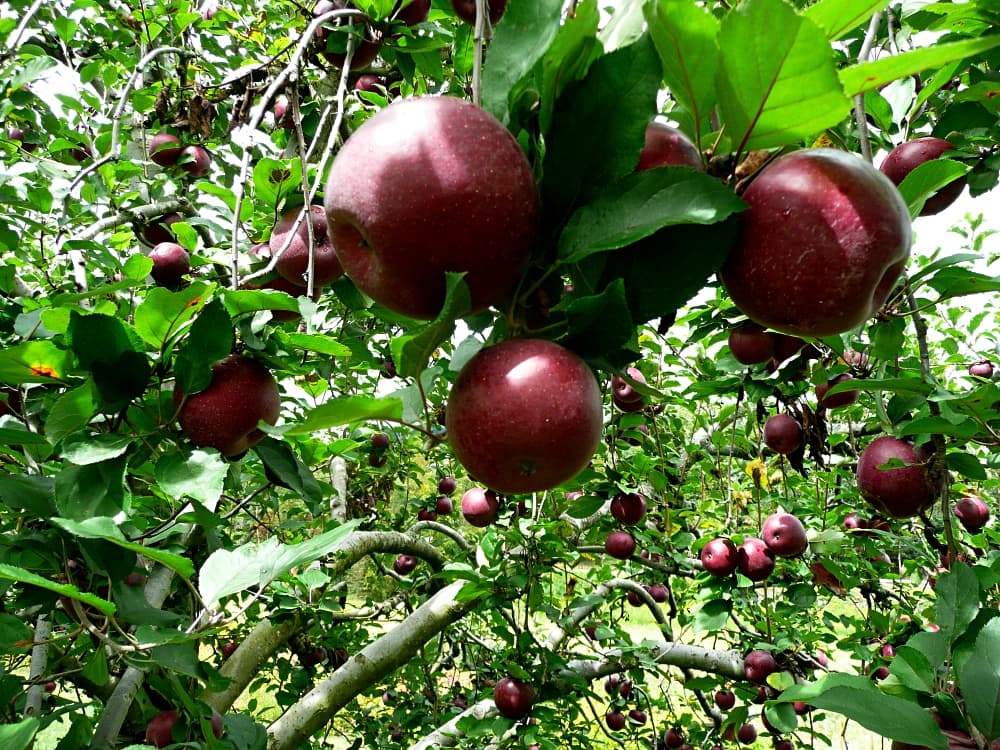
[[480, 507], [620, 545], [524, 416], [667, 146], [972, 512], [294, 262], [754, 559], [195, 160], [514, 698], [225, 415], [821, 246], [429, 185], [907, 156], [758, 665], [902, 491], [159, 731], [628, 507], [783, 434], [719, 557], [784, 535], [165, 149]]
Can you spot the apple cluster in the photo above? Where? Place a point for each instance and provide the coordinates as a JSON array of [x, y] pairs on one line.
[[782, 535]]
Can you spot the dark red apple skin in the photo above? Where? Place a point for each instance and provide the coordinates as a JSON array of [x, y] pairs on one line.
[[659, 592], [480, 507], [821, 246], [200, 161], [158, 230], [754, 559], [972, 512], [365, 50], [165, 149], [751, 344], [637, 715], [907, 156], [404, 564], [524, 415], [620, 545], [783, 434], [514, 698], [666, 146], [160, 728], [466, 10], [294, 262], [171, 263], [758, 665], [719, 557], [981, 369], [784, 535], [623, 391], [443, 506], [413, 13], [725, 699], [746, 734], [429, 185], [447, 485], [369, 82], [901, 492], [673, 738], [628, 508], [615, 720], [242, 393], [837, 400]]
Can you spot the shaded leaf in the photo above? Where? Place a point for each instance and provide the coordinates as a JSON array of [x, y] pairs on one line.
[[106, 529], [598, 323], [35, 494], [210, 339], [72, 411], [927, 179], [14, 573], [912, 669], [713, 616], [411, 352], [284, 463], [979, 680], [93, 490], [957, 600]]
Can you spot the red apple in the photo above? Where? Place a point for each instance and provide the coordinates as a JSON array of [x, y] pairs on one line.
[[615, 720], [170, 264], [837, 400], [135, 578], [165, 149], [719, 557], [612, 684], [466, 10], [783, 434], [981, 369], [628, 508], [195, 160], [673, 738], [379, 441], [900, 492], [784, 535], [907, 156], [514, 699], [667, 146], [659, 592], [447, 485], [783, 744], [15, 133], [622, 390], [972, 512], [228, 648], [524, 415], [888, 650], [880, 674], [158, 231], [412, 13], [429, 185], [49, 687], [751, 344], [404, 564], [367, 43], [725, 699], [637, 715], [443, 506], [159, 731], [225, 415], [758, 665], [620, 544], [370, 83], [480, 507], [754, 559], [426, 514], [294, 261], [821, 246], [746, 734]]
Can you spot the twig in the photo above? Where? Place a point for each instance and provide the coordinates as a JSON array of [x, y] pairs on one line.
[[21, 28], [860, 120], [39, 664]]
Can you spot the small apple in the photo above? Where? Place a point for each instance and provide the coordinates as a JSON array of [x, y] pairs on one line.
[[888, 650], [620, 544], [719, 557], [746, 734], [228, 648], [135, 578], [428, 185], [783, 434], [447, 485], [195, 160], [902, 491], [628, 508], [158, 230], [49, 687], [880, 674], [783, 744], [633, 598], [667, 146], [837, 400], [751, 344], [725, 699], [659, 592], [404, 564], [784, 535], [370, 83], [217, 724], [170, 264], [15, 133], [426, 514], [622, 390], [801, 707], [159, 731], [165, 149], [480, 507], [225, 415], [758, 665], [909, 155], [314, 657], [981, 369], [821, 246], [379, 441], [625, 688], [754, 559], [637, 715], [412, 13], [615, 720], [366, 47], [514, 698], [673, 738], [854, 522], [524, 415], [972, 512], [293, 264], [611, 685], [466, 10], [443, 506]]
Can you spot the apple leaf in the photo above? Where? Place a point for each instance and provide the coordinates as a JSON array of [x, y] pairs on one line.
[[957, 600], [599, 126], [97, 338], [913, 669], [955, 426], [313, 342], [346, 410], [412, 351], [228, 572], [199, 475], [857, 79], [967, 465], [34, 494], [979, 679], [243, 301], [927, 179], [686, 37], [93, 490], [638, 205], [284, 463], [83, 448], [273, 180], [527, 31], [14, 573], [210, 340], [72, 411], [33, 362], [19, 736], [956, 282], [713, 616], [568, 58], [777, 83], [598, 323], [857, 698], [625, 27], [121, 379], [163, 313], [837, 17]]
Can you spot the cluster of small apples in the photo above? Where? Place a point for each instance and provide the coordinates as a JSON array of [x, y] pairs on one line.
[[167, 150], [443, 505], [378, 445], [166, 728], [621, 692], [629, 509], [782, 535]]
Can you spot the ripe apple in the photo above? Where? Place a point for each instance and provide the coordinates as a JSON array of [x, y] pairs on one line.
[[443, 506], [428, 185], [612, 684], [379, 441], [404, 564], [784, 744], [466, 10], [426, 514], [821, 246], [880, 674], [981, 369], [49, 687], [754, 559], [412, 13], [313, 657], [514, 698], [480, 506], [15, 133], [746, 734], [159, 731], [524, 415], [725, 699], [837, 400], [751, 344], [907, 156], [165, 149], [783, 434], [294, 261], [366, 47], [801, 707], [225, 415], [719, 557], [659, 592], [620, 544], [972, 512], [615, 720], [158, 231], [637, 715], [447, 485], [628, 508], [667, 146], [370, 83], [228, 648], [901, 492], [622, 391], [673, 738], [758, 665], [888, 650], [170, 263], [195, 160], [633, 598], [784, 535]]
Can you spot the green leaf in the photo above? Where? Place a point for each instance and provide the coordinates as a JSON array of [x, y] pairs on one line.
[[99, 338], [568, 58], [35, 494], [274, 180], [210, 340], [957, 600], [855, 697], [411, 352], [616, 100], [837, 17], [163, 313], [13, 630], [96, 668], [244, 301], [199, 475], [284, 463], [14, 432], [72, 411], [857, 79], [94, 490], [625, 27], [781, 716], [30, 70], [686, 37], [253, 566], [19, 736], [33, 362], [121, 380], [912, 669], [777, 83], [979, 680], [584, 507], [957, 282], [314, 342], [927, 179], [527, 31], [960, 427], [598, 323], [106, 529], [14, 573], [641, 203], [713, 616], [346, 410], [967, 465], [83, 448]]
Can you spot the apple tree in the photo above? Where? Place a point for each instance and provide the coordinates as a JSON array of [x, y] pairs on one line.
[[607, 394]]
